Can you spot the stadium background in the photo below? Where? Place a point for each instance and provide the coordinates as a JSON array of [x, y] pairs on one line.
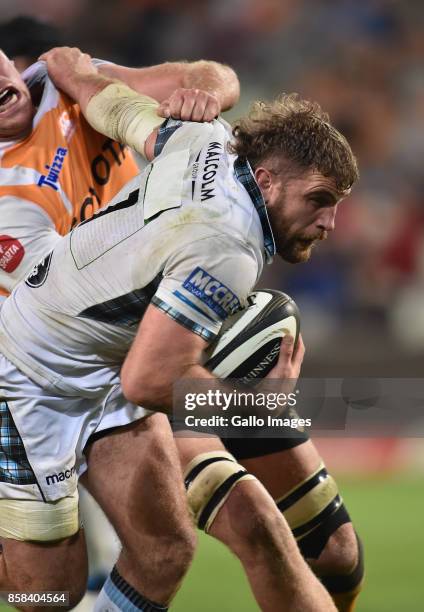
[[361, 295]]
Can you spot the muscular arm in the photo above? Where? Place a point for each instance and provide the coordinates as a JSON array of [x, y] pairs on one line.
[[130, 118], [164, 351], [160, 81]]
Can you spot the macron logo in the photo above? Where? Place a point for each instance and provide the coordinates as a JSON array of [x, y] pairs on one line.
[[60, 476], [217, 296]]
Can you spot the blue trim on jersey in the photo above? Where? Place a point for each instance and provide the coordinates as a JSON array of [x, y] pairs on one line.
[[244, 174], [185, 299], [164, 134], [183, 320]]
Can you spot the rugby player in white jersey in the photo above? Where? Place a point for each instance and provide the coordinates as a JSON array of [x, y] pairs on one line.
[[34, 225], [38, 205], [302, 167], [49, 565]]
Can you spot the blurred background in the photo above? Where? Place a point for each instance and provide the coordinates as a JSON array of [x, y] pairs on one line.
[[361, 296]]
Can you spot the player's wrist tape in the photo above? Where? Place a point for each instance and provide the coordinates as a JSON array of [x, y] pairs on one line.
[[124, 115]]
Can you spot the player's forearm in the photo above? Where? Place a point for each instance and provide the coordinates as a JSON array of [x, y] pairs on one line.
[[83, 87], [155, 390], [73, 72], [124, 115], [216, 79], [161, 81]]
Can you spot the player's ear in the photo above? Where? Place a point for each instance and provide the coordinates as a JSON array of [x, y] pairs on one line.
[[264, 179]]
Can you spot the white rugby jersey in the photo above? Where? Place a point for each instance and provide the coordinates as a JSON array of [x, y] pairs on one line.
[[190, 235]]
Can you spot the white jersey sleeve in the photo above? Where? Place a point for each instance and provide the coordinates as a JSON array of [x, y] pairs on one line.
[[205, 282], [27, 234]]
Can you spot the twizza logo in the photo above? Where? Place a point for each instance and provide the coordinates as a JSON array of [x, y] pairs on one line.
[[217, 296], [11, 253], [52, 177]]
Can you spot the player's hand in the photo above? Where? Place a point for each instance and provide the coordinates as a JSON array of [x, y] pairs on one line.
[[190, 105], [289, 363], [64, 64]]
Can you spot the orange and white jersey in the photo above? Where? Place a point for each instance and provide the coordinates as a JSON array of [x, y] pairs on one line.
[[58, 176]]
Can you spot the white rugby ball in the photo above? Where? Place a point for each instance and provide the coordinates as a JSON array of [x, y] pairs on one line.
[[249, 342]]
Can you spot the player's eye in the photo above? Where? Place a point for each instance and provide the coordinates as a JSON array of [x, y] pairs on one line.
[[317, 202]]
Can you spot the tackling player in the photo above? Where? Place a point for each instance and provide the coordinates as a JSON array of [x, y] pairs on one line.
[[57, 171], [305, 493]]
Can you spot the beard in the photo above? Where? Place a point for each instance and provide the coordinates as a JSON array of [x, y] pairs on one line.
[[294, 247], [298, 248]]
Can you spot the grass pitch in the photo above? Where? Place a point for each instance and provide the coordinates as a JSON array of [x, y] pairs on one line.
[[388, 513]]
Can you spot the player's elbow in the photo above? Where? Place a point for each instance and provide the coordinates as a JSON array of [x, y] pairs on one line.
[[232, 87], [219, 79], [145, 391]]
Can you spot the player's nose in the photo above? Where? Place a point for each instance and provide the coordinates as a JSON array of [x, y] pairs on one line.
[[327, 219]]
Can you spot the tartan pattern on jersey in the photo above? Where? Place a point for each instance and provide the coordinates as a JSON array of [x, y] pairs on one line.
[[244, 174], [164, 134], [14, 465], [125, 310], [183, 320]]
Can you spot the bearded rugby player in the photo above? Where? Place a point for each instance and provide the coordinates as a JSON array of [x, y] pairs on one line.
[[176, 540], [308, 205], [302, 168], [301, 190]]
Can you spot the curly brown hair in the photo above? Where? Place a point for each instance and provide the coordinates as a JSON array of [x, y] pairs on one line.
[[298, 132]]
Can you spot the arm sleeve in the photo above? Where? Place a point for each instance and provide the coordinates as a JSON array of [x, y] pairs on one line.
[[206, 282], [27, 234]]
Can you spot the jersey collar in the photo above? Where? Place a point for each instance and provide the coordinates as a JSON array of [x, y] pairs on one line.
[[244, 174]]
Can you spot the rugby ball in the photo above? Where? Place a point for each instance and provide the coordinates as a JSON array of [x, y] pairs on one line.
[[248, 345]]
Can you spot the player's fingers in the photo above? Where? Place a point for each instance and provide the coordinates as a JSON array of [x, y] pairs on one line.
[[299, 350], [284, 368], [212, 109], [164, 110], [206, 107], [181, 106], [61, 52], [188, 107], [286, 350], [199, 109], [48, 54]]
